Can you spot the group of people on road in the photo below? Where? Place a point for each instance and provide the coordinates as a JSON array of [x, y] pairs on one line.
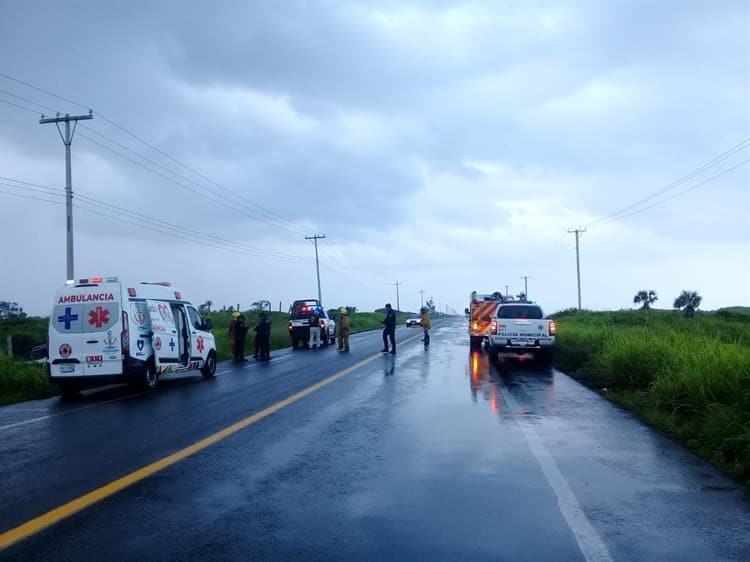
[[238, 330], [389, 328]]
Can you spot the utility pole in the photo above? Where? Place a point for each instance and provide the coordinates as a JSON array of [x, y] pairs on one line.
[[526, 286], [506, 290], [578, 232], [317, 263], [67, 139], [398, 304], [421, 298]]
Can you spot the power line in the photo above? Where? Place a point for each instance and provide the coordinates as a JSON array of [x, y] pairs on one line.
[[34, 111], [268, 212], [720, 158], [674, 195], [250, 213], [254, 250]]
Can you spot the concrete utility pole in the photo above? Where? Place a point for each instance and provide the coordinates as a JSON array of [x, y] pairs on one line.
[[578, 232], [421, 298], [526, 285], [317, 263], [398, 304], [67, 139], [506, 290]]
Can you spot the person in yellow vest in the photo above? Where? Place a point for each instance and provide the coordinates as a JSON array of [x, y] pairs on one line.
[[345, 328], [426, 326], [235, 315]]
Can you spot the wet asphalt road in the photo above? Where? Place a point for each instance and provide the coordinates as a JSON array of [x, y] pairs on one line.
[[428, 455]]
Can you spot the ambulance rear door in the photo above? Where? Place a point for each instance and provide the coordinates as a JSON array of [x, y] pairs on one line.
[[164, 340]]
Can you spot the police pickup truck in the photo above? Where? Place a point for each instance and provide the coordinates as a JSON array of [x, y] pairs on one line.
[[299, 323], [521, 327]]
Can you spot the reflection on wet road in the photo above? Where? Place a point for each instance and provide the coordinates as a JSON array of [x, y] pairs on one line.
[[433, 454]]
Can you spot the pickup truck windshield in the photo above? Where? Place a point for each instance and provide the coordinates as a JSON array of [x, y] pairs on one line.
[[516, 311]]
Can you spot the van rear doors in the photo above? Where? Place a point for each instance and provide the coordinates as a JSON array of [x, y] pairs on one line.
[[85, 331], [165, 340]]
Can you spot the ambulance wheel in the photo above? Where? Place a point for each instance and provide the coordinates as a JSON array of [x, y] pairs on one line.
[[475, 342], [69, 389], [209, 367], [150, 378]]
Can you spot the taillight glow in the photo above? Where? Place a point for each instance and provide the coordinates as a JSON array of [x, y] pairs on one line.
[[290, 324], [476, 325], [493, 327], [552, 328]]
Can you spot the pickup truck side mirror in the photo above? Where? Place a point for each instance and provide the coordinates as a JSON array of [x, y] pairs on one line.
[[208, 324], [466, 311]]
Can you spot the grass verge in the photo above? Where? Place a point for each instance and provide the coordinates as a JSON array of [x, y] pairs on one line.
[[688, 377]]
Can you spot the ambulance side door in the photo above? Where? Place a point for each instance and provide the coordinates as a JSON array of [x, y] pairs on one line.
[[164, 340], [200, 338]]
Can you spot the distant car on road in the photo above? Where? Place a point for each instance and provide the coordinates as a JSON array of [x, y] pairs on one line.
[[413, 322]]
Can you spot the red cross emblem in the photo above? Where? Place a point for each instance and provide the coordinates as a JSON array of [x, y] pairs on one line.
[[200, 345], [99, 317]]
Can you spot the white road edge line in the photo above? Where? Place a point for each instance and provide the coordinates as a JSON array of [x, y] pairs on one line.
[[589, 541]]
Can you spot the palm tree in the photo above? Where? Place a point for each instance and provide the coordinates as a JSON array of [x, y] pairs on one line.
[[689, 301], [645, 299]]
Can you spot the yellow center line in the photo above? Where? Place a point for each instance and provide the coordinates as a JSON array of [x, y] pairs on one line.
[[64, 511]]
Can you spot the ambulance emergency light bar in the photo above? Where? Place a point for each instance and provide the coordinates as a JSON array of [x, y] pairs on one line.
[[93, 280]]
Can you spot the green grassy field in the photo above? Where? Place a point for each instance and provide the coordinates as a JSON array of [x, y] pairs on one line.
[[689, 377]]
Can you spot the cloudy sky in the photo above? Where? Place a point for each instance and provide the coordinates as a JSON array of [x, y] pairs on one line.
[[449, 146]]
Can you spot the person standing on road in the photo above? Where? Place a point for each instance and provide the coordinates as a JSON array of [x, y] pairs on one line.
[[345, 327], [314, 330], [235, 315], [389, 329], [426, 325], [263, 337], [240, 331]]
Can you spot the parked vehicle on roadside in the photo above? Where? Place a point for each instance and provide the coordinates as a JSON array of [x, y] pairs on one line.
[[101, 331], [481, 311], [300, 314], [521, 328]]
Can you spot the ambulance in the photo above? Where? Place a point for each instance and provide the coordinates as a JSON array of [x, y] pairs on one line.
[[102, 331], [481, 312]]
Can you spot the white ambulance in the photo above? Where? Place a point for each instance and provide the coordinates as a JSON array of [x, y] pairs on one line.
[[101, 331]]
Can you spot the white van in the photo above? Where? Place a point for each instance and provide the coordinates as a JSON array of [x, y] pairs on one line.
[[102, 332]]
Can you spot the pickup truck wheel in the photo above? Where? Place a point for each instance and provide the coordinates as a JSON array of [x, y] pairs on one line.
[[150, 378], [209, 367], [544, 357]]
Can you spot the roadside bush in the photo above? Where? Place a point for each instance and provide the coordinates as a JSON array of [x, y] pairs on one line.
[[22, 381]]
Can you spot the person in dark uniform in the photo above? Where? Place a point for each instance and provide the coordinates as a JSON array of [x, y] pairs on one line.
[[389, 329], [240, 331], [263, 336]]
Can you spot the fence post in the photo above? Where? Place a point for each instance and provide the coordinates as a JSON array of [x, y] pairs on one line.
[[9, 341]]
